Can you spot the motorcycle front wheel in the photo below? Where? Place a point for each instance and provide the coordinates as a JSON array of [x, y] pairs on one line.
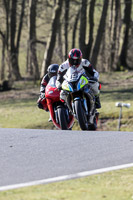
[[62, 118], [81, 115]]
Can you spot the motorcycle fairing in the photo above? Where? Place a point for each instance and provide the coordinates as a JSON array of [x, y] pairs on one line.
[[66, 86], [82, 82]]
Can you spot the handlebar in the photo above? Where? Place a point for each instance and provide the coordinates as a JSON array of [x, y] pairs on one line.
[[92, 80]]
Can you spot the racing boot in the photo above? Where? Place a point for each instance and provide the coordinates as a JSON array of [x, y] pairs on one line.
[[91, 119], [97, 102], [50, 119]]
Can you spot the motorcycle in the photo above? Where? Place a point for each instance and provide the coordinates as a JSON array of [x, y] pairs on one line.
[[78, 95], [61, 117]]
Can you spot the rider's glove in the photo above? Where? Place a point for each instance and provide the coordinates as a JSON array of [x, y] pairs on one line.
[[58, 85], [92, 78]]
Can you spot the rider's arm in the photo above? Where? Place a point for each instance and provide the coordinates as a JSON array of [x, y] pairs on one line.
[[61, 72], [91, 72], [44, 82], [60, 76]]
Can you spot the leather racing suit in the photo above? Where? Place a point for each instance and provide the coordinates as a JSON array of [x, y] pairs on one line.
[[90, 72]]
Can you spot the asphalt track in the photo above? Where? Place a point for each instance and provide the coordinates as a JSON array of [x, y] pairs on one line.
[[28, 155]]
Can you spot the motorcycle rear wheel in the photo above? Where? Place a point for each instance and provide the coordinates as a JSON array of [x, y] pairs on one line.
[[62, 118], [81, 115]]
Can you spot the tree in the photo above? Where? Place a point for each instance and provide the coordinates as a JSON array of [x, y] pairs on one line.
[[2, 71], [75, 29], [5, 39], [127, 21], [100, 33], [15, 40], [91, 28], [32, 63], [52, 37], [82, 34], [116, 36], [67, 2], [86, 46]]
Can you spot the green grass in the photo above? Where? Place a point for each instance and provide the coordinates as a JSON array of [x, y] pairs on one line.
[[115, 185], [23, 114]]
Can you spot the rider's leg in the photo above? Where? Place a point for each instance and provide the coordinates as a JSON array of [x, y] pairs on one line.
[[96, 91]]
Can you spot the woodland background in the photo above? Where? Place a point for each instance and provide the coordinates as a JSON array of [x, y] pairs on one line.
[[36, 33]]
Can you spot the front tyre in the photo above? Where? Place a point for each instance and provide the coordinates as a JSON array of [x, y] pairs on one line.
[[62, 118], [81, 115]]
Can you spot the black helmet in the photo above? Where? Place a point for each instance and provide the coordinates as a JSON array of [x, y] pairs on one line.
[[52, 70], [74, 57]]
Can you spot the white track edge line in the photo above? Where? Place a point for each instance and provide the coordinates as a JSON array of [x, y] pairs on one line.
[[66, 177]]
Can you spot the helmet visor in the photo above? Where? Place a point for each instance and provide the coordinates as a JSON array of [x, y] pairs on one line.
[[75, 62]]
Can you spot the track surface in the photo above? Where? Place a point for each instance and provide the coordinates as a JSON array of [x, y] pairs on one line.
[[28, 155]]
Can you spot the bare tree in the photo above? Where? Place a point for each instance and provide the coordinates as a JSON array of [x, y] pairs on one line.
[[116, 36], [52, 37], [67, 2], [82, 34], [12, 35], [100, 33], [75, 28], [5, 39], [2, 72], [14, 46], [32, 63], [91, 28], [127, 21], [86, 46]]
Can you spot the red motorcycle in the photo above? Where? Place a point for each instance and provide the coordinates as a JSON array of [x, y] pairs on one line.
[[59, 111]]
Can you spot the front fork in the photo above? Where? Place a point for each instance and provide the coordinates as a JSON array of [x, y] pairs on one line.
[[67, 97]]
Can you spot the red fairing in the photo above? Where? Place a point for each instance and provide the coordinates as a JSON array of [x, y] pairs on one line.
[[52, 95]]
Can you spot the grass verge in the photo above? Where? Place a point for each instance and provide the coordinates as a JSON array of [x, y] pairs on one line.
[[115, 185]]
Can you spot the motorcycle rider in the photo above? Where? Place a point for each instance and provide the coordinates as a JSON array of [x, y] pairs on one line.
[[51, 71], [75, 59]]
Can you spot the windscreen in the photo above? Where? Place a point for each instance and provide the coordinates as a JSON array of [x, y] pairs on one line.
[[52, 81]]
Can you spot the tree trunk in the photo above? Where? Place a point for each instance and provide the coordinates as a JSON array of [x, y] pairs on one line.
[[75, 29], [82, 34], [60, 43], [52, 38], [100, 33], [91, 22], [32, 63], [116, 37], [2, 71], [127, 20], [14, 51], [67, 2]]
